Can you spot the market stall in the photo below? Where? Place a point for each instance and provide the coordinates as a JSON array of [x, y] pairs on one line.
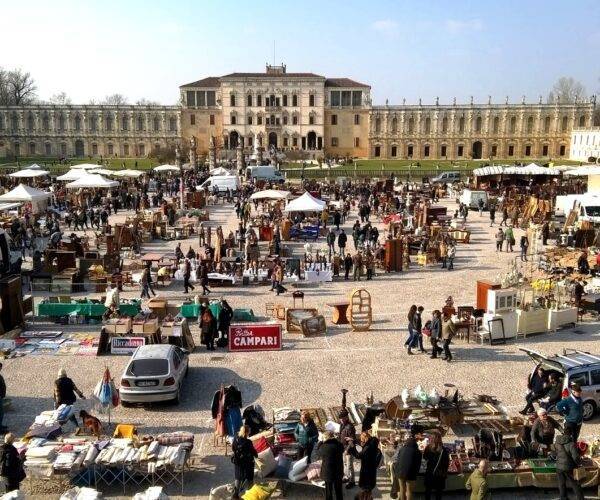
[[29, 196]]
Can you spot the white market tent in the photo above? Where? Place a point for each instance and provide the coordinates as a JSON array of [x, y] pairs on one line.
[[28, 172], [583, 171], [35, 166], [24, 194], [92, 181], [531, 169], [306, 203], [86, 166], [491, 170], [127, 173], [9, 206], [166, 168], [220, 171], [270, 194], [72, 175], [101, 171]]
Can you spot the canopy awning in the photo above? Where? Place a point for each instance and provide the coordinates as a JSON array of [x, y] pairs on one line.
[[35, 166], [531, 169], [305, 203], [101, 171], [270, 194], [220, 171], [25, 193], [9, 206], [86, 166], [127, 173], [166, 168], [491, 170], [92, 181], [582, 171], [29, 172], [72, 175]]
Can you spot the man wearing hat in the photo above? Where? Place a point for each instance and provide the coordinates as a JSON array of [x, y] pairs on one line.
[[571, 408], [347, 437]]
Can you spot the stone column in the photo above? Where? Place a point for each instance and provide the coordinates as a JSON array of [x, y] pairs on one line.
[[239, 156], [211, 153]]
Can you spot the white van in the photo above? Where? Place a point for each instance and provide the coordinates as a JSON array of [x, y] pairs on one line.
[[588, 206], [265, 173], [471, 198], [446, 178], [223, 183]]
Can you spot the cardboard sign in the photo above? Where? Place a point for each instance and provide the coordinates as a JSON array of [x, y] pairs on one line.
[[125, 345], [254, 337]]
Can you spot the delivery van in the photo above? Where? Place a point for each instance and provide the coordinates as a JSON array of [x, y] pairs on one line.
[[587, 205], [223, 183], [446, 178], [265, 173], [471, 198]]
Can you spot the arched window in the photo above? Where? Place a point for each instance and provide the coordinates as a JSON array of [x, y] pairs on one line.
[[232, 119], [30, 122], [172, 124], [45, 122], [496, 125], [394, 125], [140, 123], [125, 122], [61, 122], [311, 100], [513, 124], [565, 123], [478, 122], [427, 127], [108, 122], [285, 100], [377, 124], [32, 148], [445, 125], [232, 100], [77, 123], [547, 124], [530, 125], [295, 100], [14, 122], [411, 125], [93, 123], [461, 124], [249, 100], [249, 119], [582, 121], [156, 124]]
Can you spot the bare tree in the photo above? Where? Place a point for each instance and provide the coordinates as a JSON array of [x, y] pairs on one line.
[[567, 89], [115, 100], [60, 98], [146, 102], [16, 88]]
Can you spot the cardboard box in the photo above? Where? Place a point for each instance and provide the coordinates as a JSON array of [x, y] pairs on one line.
[[151, 326], [138, 327], [123, 326]]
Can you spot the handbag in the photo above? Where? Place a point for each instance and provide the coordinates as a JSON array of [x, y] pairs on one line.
[[426, 331]]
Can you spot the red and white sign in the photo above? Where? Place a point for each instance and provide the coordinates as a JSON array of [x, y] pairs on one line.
[[125, 345], [253, 337]]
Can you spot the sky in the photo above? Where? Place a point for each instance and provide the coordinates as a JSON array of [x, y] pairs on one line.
[[419, 49]]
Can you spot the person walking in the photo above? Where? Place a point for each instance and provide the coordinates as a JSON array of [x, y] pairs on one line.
[[204, 279], [509, 237], [337, 219], [436, 334], [411, 335], [342, 240], [347, 266], [306, 434], [3, 428], [347, 437], [369, 264], [567, 460], [499, 239], [504, 216], [477, 482], [144, 284], [492, 215], [279, 279], [357, 265], [332, 467], [208, 329], [187, 272], [443, 253], [571, 408], [243, 460], [370, 458], [405, 466], [331, 242], [418, 329], [524, 246], [65, 393], [448, 331], [11, 465], [451, 255], [480, 206], [437, 459]]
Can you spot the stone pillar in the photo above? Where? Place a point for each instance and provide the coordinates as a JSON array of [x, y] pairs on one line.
[[211, 153], [239, 156], [193, 160]]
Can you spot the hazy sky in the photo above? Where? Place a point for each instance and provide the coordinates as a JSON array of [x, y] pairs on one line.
[[403, 49]]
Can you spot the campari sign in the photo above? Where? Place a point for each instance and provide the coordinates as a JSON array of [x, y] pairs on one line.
[[253, 337]]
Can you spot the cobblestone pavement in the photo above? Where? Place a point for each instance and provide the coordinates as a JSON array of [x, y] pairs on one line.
[[309, 372]]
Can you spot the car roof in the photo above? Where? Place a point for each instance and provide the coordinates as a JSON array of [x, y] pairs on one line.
[[568, 360], [157, 351]]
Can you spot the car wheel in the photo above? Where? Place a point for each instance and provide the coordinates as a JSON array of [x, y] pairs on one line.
[[177, 398], [126, 404], [589, 409]]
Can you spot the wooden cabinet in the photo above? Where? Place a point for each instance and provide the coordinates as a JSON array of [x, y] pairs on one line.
[[393, 255], [482, 293], [501, 300]]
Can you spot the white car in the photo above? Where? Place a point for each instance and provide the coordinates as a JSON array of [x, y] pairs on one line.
[[154, 373]]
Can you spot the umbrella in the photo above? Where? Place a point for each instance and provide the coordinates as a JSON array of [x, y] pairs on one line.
[[106, 393]]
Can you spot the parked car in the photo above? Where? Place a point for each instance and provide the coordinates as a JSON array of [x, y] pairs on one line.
[[446, 178], [574, 367], [154, 373]]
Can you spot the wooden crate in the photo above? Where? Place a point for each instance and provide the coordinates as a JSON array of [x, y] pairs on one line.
[[151, 326]]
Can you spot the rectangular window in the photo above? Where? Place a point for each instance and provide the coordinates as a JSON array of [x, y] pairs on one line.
[[595, 377], [192, 119], [394, 152], [334, 119], [249, 100], [357, 98], [249, 120], [285, 142], [285, 120], [494, 150], [409, 151], [460, 151], [285, 100], [294, 100], [443, 151], [311, 120], [126, 150], [527, 150], [511, 150], [259, 120], [334, 142], [356, 119], [191, 98], [545, 150], [311, 100], [563, 150], [233, 120], [335, 97], [142, 150], [346, 98], [259, 100], [295, 142], [110, 149], [201, 98], [94, 149], [211, 119], [48, 149], [377, 151], [211, 98], [294, 120], [357, 142], [426, 151], [63, 149]]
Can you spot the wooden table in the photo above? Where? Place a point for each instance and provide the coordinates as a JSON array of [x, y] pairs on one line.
[[339, 316]]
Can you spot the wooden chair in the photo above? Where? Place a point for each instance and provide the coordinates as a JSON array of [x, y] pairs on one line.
[[270, 309], [297, 295], [361, 313]]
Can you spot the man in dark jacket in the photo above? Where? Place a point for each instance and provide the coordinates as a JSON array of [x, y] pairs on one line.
[[337, 219], [332, 467], [405, 466], [571, 408], [537, 388], [347, 266], [11, 466], [342, 239], [567, 460], [187, 272], [370, 458], [65, 392], [347, 437], [553, 392]]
